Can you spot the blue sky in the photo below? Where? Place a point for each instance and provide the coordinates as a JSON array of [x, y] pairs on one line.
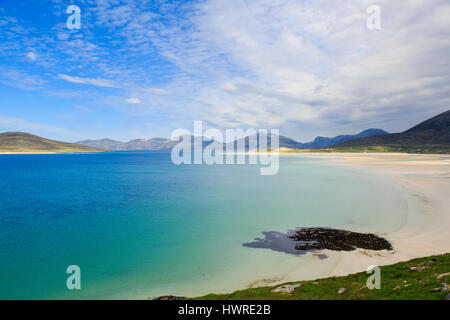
[[139, 69]]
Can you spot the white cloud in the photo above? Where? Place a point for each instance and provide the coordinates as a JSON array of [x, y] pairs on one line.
[[157, 91], [134, 100], [268, 63], [31, 56], [113, 84], [19, 79], [95, 82]]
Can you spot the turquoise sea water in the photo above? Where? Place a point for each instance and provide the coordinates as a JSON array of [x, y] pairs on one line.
[[139, 226]]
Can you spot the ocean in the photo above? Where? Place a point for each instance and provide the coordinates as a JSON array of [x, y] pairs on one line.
[[139, 226]]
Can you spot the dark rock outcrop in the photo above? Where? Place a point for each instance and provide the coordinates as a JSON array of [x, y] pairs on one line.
[[338, 240], [169, 298]]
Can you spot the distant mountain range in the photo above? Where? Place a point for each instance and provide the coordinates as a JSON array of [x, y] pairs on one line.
[[432, 133], [284, 142], [136, 144], [324, 142], [25, 142]]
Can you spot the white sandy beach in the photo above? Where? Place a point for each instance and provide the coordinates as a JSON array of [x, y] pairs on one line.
[[426, 232]]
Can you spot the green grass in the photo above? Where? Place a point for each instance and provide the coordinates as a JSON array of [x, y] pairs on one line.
[[414, 285], [377, 149]]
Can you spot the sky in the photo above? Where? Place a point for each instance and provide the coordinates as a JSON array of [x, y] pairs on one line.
[[140, 69]]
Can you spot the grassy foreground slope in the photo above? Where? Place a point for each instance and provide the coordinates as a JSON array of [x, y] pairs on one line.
[[25, 142], [422, 278]]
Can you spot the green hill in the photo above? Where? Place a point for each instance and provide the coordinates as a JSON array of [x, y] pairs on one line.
[[25, 142]]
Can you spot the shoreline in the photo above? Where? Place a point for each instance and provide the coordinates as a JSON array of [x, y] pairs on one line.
[[423, 179], [66, 152], [29, 152], [425, 233]]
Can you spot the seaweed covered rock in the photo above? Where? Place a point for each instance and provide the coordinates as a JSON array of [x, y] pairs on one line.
[[338, 240], [169, 298]]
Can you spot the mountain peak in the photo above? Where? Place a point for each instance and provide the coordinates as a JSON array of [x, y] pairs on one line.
[[431, 133], [324, 142], [438, 123]]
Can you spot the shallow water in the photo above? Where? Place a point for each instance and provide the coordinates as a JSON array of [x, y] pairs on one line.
[[139, 226]]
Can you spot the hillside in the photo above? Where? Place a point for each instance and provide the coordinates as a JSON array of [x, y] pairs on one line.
[[323, 142], [25, 142], [319, 142], [418, 279], [432, 134]]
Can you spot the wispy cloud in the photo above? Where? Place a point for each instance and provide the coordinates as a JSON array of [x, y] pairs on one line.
[[133, 100], [317, 61], [31, 56], [95, 82], [268, 63], [20, 79]]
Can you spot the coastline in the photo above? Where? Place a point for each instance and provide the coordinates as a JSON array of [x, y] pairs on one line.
[[426, 232], [29, 152], [47, 152], [422, 181]]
